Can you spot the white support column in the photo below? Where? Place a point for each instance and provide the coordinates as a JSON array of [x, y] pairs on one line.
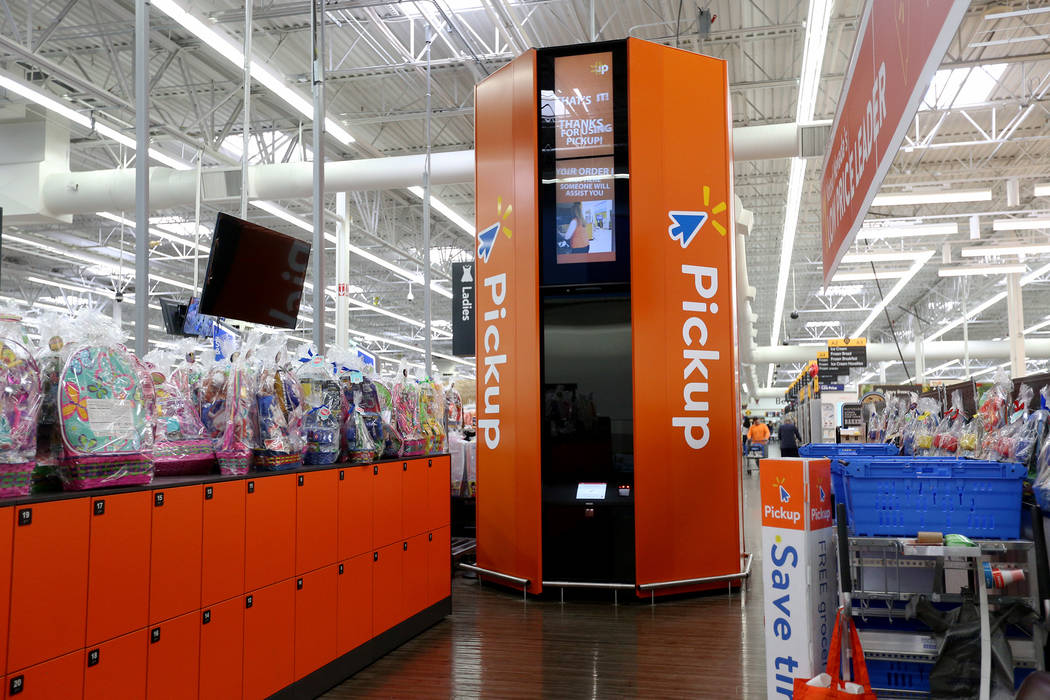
[[882, 373], [342, 271], [317, 21], [141, 176], [1015, 323]]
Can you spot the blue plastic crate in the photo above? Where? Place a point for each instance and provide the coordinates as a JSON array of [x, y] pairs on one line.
[[896, 496], [899, 675], [848, 449]]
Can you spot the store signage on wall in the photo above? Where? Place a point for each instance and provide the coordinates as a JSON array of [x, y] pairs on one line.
[[852, 415], [851, 353], [899, 47], [463, 309]]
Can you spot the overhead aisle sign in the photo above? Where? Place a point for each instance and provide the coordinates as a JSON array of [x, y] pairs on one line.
[[899, 46]]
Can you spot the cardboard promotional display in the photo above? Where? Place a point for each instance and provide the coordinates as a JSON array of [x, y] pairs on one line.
[[800, 581]]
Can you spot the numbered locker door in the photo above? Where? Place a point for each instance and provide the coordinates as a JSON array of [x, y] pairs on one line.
[[222, 565], [58, 678], [49, 583], [173, 658], [175, 553], [116, 670], [222, 650], [118, 566], [269, 552]]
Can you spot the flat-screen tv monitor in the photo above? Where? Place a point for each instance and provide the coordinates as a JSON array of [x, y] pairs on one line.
[[583, 189], [174, 314], [196, 323], [254, 274]]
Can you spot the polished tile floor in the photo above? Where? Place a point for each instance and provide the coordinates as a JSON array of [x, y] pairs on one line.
[[495, 645]]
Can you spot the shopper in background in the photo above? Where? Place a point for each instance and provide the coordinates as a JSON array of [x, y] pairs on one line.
[[758, 434], [789, 438], [743, 433]]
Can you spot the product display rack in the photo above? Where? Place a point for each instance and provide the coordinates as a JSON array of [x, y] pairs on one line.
[[885, 571], [272, 584]]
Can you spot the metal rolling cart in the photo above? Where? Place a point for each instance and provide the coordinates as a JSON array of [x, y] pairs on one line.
[[883, 573]]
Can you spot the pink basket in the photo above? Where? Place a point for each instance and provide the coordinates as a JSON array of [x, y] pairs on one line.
[[183, 457], [82, 473], [16, 479], [234, 462]]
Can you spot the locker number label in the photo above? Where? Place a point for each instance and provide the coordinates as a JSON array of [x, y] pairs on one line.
[[154, 635], [18, 683], [158, 498], [25, 516], [100, 507], [93, 657]]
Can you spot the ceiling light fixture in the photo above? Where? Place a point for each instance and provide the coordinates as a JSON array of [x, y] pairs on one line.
[[868, 276], [899, 231], [232, 53], [939, 197], [919, 259], [813, 49], [987, 303], [30, 93], [977, 270], [1042, 189], [1025, 224], [883, 257], [987, 251]]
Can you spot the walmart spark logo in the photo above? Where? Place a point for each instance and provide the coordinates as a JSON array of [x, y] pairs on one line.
[[487, 238], [686, 224], [599, 68], [785, 496]]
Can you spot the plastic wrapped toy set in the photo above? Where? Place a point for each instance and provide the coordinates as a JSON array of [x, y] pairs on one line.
[[179, 443], [406, 421], [20, 404], [323, 405], [278, 412]]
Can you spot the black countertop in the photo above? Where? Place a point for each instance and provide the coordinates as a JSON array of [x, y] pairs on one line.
[[168, 482]]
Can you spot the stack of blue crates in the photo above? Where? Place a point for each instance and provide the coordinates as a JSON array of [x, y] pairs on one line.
[[843, 452]]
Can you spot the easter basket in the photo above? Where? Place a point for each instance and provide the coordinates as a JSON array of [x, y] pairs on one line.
[[20, 403], [179, 444], [104, 420]]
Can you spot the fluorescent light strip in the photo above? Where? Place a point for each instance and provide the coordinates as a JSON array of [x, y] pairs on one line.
[[1018, 13], [920, 258], [406, 346], [879, 232], [976, 270], [1042, 189], [986, 251], [868, 276], [446, 210], [883, 257], [1038, 326], [287, 216], [892, 200], [1028, 224], [46, 101], [232, 53], [794, 202], [108, 293], [159, 233]]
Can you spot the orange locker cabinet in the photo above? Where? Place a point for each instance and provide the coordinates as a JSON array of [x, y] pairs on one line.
[[118, 566], [7, 521], [173, 659], [222, 650], [222, 565], [387, 604], [269, 632], [354, 616], [439, 565], [175, 552], [439, 492], [269, 538], [414, 511], [414, 572], [117, 669], [315, 619], [386, 504], [317, 506], [355, 511], [49, 583], [58, 678]]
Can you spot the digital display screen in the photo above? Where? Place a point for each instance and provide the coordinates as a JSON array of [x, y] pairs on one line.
[[590, 492], [580, 110], [583, 166], [254, 274], [197, 324]]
